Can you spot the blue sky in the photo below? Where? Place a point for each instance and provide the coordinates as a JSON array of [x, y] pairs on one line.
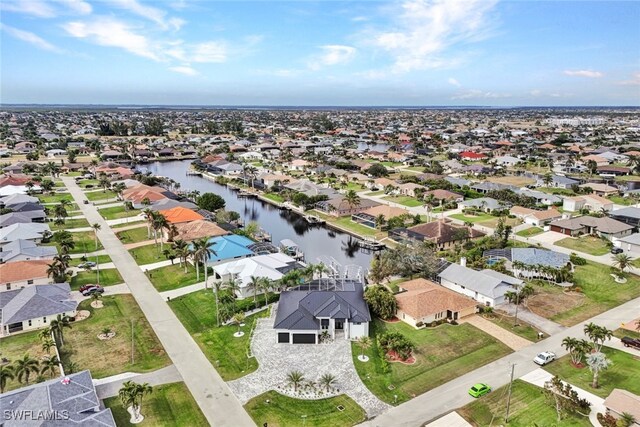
[[414, 52]]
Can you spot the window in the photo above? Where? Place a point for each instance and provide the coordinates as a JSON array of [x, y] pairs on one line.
[[8, 286], [29, 322], [324, 323], [30, 282], [44, 320], [357, 323]]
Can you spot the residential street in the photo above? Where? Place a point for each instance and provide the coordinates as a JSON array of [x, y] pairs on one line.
[[215, 399]]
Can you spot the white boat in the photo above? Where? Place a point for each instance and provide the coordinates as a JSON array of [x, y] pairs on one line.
[[289, 247]]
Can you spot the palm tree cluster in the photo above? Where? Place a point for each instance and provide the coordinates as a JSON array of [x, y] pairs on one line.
[[22, 370], [60, 212], [296, 378], [545, 272], [58, 268], [131, 395]]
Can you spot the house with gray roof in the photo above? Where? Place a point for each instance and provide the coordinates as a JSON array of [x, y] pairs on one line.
[[26, 231], [557, 181], [25, 250], [485, 204], [22, 217], [67, 401], [630, 244], [487, 286], [629, 215], [34, 307], [14, 199], [303, 316]]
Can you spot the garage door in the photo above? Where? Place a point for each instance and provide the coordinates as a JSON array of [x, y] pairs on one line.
[[283, 337], [304, 338]]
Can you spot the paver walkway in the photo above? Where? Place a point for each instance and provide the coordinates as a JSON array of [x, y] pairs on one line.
[[211, 393], [108, 387], [514, 341], [277, 360]]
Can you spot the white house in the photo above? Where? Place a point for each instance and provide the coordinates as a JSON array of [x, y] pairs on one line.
[[20, 274]]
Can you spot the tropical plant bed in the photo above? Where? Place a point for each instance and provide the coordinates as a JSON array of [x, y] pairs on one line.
[[276, 410], [167, 405], [394, 357]]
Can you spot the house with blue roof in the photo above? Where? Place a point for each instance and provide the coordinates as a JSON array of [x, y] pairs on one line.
[[230, 247]]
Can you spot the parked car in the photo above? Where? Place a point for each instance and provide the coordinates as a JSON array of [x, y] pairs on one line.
[[85, 287], [87, 264], [479, 389], [616, 251], [86, 202], [544, 358], [92, 290], [631, 342]]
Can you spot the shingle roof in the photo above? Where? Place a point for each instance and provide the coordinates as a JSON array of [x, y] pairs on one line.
[[486, 282], [27, 248], [35, 301]]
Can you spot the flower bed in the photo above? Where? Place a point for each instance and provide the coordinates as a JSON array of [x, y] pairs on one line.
[[308, 391], [394, 357]]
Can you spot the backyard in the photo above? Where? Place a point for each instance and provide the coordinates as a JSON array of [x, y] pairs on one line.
[[167, 405], [443, 353], [624, 373], [599, 293], [274, 409], [110, 357], [173, 277], [108, 277], [117, 212], [529, 407], [16, 346], [345, 222], [591, 245], [197, 312]]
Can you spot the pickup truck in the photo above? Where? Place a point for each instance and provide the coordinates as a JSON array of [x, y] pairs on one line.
[[544, 358], [631, 342]]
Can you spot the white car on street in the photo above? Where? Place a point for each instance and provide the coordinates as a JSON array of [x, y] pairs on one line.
[[544, 358]]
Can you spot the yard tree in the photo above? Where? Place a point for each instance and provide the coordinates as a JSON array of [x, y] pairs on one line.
[[352, 199], [6, 374], [364, 342], [598, 335], [576, 348], [210, 202], [57, 327], [622, 261], [378, 170], [566, 399], [327, 381], [381, 301], [295, 378], [131, 395], [597, 362], [24, 367]]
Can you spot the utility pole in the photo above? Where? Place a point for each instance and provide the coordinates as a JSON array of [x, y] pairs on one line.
[[515, 323], [506, 418], [132, 345]]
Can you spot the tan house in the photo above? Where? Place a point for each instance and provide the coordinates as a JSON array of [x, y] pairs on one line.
[[623, 401], [422, 301], [409, 189], [20, 274], [198, 229]]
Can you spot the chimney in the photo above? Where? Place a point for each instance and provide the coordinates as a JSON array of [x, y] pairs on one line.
[[463, 261]]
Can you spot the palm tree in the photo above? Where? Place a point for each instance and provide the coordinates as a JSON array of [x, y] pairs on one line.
[[159, 223], [364, 342], [131, 395], [24, 367], [327, 380], [627, 419], [622, 261], [96, 227], [45, 334], [203, 251], [49, 365], [148, 216], [47, 345], [232, 286], [238, 319], [265, 286], [597, 362], [254, 286], [598, 335], [6, 374], [352, 199], [57, 327], [295, 378]]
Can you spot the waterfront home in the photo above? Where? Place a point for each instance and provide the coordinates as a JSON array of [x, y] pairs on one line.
[[179, 215], [421, 301], [310, 188], [72, 400], [271, 266], [305, 316], [20, 274], [369, 217], [603, 227], [229, 247], [487, 286], [197, 229], [530, 262], [339, 207], [26, 250], [166, 204], [34, 307], [591, 202], [442, 233], [557, 181]]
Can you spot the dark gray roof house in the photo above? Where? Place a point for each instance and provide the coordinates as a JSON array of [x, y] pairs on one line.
[[26, 250], [21, 218], [303, 314], [71, 400]]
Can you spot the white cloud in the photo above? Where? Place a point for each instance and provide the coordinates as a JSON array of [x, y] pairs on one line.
[[454, 82], [80, 7], [113, 33], [478, 94], [359, 19], [535, 92], [209, 52], [29, 37], [584, 73], [633, 81], [427, 29], [37, 8], [332, 55], [151, 13], [184, 69]]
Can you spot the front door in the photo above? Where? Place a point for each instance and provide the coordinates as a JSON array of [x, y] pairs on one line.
[[339, 323]]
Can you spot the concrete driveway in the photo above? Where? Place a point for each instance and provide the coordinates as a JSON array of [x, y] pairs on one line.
[[277, 360]]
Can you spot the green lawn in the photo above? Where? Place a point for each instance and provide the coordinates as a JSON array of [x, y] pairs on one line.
[[624, 373], [533, 231], [282, 411], [129, 223], [621, 333], [619, 200], [274, 196], [591, 245], [472, 218], [167, 405], [601, 293], [404, 200], [55, 198], [84, 243], [493, 222], [70, 223], [523, 329], [106, 358], [443, 353], [117, 212], [345, 222], [197, 312], [376, 193], [14, 347], [108, 277], [133, 235], [100, 195], [173, 277], [529, 407], [101, 259], [147, 254], [95, 183], [561, 191]]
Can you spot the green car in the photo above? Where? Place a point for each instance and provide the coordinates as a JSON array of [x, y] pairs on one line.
[[479, 390]]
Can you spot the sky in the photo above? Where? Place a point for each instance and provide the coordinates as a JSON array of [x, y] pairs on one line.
[[338, 53]]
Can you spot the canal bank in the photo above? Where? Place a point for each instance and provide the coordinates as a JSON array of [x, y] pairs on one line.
[[318, 242]]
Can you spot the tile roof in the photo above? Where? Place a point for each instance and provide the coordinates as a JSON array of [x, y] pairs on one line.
[[424, 298], [35, 301], [442, 231], [623, 401], [198, 229], [23, 270], [179, 215]]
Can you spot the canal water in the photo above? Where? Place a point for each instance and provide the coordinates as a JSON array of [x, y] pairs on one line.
[[316, 241]]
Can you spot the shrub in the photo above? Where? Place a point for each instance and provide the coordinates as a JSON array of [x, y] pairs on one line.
[[419, 324], [577, 260], [396, 342], [453, 322]]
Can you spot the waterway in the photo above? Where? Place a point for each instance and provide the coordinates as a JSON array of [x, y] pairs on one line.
[[316, 241]]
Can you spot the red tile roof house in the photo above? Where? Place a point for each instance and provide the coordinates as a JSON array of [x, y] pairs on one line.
[[19, 274], [470, 155], [442, 233]]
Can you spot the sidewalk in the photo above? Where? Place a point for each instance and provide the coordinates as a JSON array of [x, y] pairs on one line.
[[175, 293], [515, 342]]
